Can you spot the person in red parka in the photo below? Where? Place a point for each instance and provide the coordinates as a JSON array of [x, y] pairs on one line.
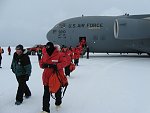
[[71, 53], [76, 55], [51, 61], [9, 50], [68, 57], [83, 42], [1, 52]]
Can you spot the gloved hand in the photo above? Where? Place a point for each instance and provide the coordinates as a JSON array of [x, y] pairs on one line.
[[54, 66], [45, 65]]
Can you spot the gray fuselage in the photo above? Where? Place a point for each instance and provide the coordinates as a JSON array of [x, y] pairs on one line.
[[113, 34]]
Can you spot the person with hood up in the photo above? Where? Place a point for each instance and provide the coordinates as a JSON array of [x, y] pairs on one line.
[[21, 67], [67, 54], [51, 61]]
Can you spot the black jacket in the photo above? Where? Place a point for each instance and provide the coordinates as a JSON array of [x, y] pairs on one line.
[[21, 64]]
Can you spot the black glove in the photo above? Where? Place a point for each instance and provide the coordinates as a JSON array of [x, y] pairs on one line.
[[54, 66], [45, 65]]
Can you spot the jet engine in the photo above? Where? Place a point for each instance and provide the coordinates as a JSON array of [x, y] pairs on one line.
[[126, 28]]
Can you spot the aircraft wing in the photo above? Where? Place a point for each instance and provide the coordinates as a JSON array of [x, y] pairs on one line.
[[145, 16]]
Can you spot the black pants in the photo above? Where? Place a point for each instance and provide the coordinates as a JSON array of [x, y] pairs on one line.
[[22, 87], [0, 60], [46, 98], [87, 55], [67, 70], [76, 61]]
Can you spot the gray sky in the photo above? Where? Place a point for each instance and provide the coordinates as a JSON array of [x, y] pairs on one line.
[[28, 21]]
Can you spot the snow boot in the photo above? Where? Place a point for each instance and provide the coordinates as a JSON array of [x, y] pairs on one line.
[[26, 96], [44, 112], [57, 103], [17, 103]]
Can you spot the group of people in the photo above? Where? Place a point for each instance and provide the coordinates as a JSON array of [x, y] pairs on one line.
[[55, 61], [1, 52]]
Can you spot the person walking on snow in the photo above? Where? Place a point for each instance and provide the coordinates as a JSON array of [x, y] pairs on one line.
[[9, 50], [67, 54], [21, 67], [52, 61], [1, 52], [87, 50]]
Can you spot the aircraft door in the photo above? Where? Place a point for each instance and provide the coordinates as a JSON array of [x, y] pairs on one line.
[[82, 41]]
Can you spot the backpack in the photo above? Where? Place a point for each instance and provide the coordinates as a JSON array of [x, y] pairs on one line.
[[56, 81], [72, 67]]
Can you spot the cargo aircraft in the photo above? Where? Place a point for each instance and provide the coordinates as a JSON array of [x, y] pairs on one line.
[[105, 34]]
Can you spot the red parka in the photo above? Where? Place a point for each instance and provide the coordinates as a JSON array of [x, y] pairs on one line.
[[70, 53], [67, 56], [77, 53], [56, 58]]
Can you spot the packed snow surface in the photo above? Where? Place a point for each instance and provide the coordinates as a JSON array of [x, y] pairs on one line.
[[102, 84]]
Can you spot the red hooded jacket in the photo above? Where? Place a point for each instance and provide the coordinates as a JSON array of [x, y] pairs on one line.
[[56, 58]]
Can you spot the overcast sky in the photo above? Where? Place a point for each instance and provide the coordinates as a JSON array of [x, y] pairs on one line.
[[28, 21]]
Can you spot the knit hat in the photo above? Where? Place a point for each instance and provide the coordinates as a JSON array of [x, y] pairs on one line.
[[19, 47]]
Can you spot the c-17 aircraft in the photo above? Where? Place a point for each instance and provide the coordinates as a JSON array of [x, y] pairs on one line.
[[105, 34]]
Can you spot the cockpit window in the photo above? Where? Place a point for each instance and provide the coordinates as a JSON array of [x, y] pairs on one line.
[[54, 31], [56, 25], [62, 25]]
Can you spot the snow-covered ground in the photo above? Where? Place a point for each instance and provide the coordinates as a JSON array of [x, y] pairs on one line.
[[101, 84]]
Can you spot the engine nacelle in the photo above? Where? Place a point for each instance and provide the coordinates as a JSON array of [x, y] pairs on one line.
[[125, 28]]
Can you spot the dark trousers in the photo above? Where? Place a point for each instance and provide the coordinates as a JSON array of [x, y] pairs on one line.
[[46, 98], [87, 55], [76, 61], [22, 87], [67, 70], [0, 60]]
